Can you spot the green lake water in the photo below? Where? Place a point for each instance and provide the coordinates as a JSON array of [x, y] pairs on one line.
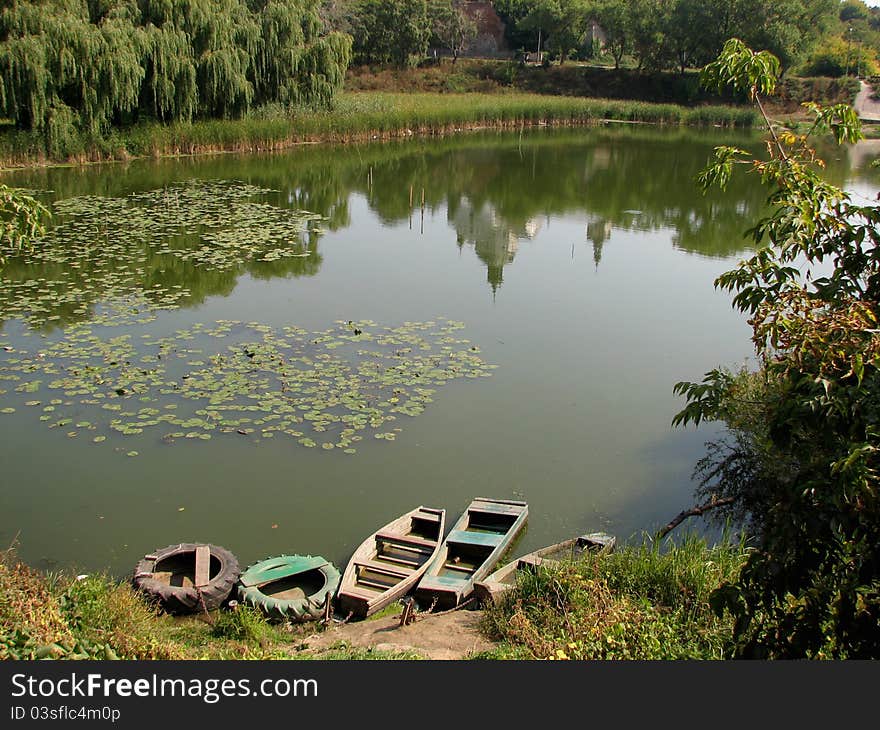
[[267, 316]]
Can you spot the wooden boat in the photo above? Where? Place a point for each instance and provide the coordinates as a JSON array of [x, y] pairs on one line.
[[389, 563], [502, 580], [474, 545]]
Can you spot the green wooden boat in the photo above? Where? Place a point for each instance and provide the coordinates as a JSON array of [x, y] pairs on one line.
[[289, 587], [475, 544]]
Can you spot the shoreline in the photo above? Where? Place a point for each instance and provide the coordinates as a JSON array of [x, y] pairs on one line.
[[366, 117]]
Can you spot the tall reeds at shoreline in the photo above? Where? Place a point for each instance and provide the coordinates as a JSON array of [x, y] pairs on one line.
[[359, 116]]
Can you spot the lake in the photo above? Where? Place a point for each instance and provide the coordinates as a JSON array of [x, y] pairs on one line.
[[281, 353]]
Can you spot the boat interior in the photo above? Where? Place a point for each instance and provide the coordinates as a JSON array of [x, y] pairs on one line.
[[475, 538], [398, 555], [295, 586]]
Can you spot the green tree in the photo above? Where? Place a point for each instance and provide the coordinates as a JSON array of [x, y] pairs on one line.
[[390, 31], [647, 23], [613, 17], [70, 66], [451, 27], [853, 10], [802, 459], [563, 24], [685, 21], [513, 12]]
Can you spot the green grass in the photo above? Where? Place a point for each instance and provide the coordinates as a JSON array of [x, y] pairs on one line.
[[96, 617], [641, 602], [358, 116]]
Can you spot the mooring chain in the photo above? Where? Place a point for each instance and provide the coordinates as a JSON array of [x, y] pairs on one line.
[[204, 606], [407, 618]]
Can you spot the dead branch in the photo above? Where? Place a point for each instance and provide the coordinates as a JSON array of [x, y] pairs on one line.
[[694, 512]]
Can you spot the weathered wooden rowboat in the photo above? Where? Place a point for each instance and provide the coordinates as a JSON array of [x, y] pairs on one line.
[[474, 545], [495, 585], [389, 563]]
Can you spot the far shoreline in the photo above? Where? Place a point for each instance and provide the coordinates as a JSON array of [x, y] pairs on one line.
[[365, 117]]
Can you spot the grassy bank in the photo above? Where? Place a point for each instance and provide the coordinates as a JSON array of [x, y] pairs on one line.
[[638, 603], [494, 76], [58, 616], [357, 116]]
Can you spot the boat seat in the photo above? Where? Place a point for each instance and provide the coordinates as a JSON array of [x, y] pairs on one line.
[[496, 509], [483, 539], [374, 584], [377, 567], [401, 561], [426, 516], [441, 583], [417, 542], [359, 593]]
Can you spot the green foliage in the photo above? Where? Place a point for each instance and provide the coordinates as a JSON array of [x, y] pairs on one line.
[[614, 17], [666, 34], [838, 56], [65, 70], [21, 219], [97, 617], [451, 27], [563, 24], [743, 70], [390, 31], [801, 459], [641, 602], [243, 623]]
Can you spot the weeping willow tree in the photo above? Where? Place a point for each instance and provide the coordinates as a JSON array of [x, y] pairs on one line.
[[84, 65]]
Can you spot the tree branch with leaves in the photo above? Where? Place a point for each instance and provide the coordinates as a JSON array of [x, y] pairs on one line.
[[802, 455], [22, 219]]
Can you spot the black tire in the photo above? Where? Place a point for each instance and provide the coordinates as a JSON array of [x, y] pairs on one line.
[[180, 599]]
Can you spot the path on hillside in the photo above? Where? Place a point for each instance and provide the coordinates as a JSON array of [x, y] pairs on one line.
[[867, 108], [444, 636]]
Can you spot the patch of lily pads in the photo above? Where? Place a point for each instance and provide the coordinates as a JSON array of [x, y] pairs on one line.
[[324, 389], [122, 260], [101, 374]]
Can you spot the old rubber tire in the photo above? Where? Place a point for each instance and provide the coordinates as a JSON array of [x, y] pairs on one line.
[[180, 599], [309, 608]]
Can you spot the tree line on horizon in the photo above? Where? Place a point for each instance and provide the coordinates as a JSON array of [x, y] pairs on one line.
[[88, 65]]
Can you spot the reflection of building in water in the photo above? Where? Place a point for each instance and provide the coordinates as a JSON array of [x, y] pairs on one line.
[[598, 231], [494, 239]]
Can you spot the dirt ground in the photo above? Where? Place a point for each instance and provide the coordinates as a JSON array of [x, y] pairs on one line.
[[447, 636]]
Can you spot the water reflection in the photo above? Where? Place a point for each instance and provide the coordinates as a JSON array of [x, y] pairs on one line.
[[497, 190]]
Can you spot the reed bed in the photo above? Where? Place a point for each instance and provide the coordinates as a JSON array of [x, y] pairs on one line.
[[358, 116]]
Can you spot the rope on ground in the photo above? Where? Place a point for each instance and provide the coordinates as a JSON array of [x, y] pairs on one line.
[[345, 620]]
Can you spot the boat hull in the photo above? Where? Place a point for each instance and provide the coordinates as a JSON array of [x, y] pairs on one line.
[[390, 562], [497, 584], [473, 547]]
